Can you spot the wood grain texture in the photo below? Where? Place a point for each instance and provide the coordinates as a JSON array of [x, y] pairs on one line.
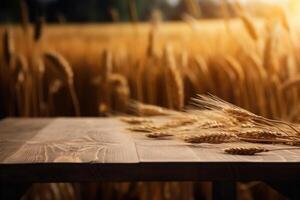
[[93, 149]]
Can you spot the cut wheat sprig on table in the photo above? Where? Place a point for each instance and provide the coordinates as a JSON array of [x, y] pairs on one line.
[[252, 150], [215, 138], [245, 150], [215, 121]]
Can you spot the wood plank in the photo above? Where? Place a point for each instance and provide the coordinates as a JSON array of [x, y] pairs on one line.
[[15, 132], [154, 150], [75, 140], [94, 149]]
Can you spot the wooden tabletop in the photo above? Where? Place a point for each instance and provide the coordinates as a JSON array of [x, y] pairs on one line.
[[94, 149]]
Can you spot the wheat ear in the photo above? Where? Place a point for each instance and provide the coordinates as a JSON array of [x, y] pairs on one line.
[[20, 73], [245, 150], [66, 72], [218, 137], [121, 90], [242, 115], [249, 25], [159, 134], [262, 134]]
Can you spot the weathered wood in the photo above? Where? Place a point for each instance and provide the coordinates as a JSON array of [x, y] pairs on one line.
[[67, 140], [95, 149]]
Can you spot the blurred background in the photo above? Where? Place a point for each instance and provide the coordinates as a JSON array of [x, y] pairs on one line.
[[100, 10]]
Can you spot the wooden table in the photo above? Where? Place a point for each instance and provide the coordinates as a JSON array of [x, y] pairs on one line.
[[101, 149]]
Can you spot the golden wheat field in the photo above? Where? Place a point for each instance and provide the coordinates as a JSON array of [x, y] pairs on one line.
[[128, 68], [99, 69]]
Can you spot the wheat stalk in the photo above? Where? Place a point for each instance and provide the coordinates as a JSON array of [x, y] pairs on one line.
[[225, 13], [132, 10], [40, 72], [24, 16], [203, 67], [104, 84], [19, 72], [38, 29], [8, 46], [284, 19], [175, 90]]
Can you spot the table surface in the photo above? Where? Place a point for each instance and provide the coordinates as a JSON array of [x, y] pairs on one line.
[[96, 149]]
